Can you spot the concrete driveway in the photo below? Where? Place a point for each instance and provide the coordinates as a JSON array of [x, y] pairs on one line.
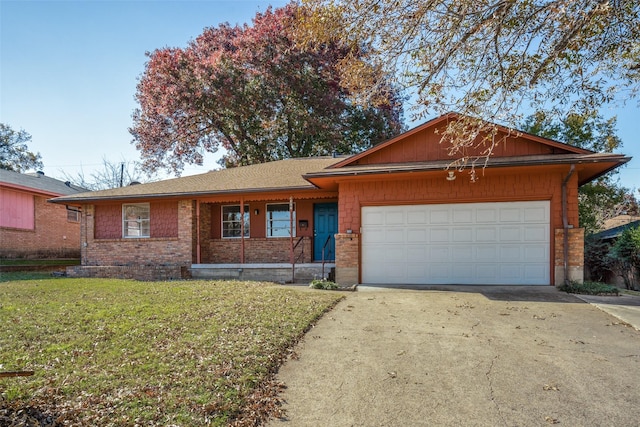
[[503, 356]]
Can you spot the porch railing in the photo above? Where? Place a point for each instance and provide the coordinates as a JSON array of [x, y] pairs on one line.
[[324, 251], [296, 258]]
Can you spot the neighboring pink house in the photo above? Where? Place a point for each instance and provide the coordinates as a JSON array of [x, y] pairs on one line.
[[30, 226], [392, 214]]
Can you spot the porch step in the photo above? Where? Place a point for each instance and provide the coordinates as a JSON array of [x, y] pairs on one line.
[[280, 273]]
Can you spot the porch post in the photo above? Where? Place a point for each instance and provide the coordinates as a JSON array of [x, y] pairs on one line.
[[198, 258], [291, 229], [241, 229]]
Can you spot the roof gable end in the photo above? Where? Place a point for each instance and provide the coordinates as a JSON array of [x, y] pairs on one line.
[[422, 144]]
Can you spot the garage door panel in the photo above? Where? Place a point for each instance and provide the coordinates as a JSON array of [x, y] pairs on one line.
[[395, 235], [510, 253], [417, 235], [486, 215], [373, 235], [417, 217], [395, 218], [536, 253], [536, 214], [439, 235], [510, 215], [485, 253], [439, 216], [439, 254], [463, 216], [536, 233], [417, 253], [476, 243], [462, 254], [486, 234], [370, 218], [462, 235]]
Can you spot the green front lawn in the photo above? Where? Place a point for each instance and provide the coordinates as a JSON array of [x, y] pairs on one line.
[[118, 352]]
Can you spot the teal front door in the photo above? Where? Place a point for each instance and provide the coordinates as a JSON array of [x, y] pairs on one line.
[[325, 226]]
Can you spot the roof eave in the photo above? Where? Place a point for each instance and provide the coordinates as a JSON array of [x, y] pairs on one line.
[[178, 195], [618, 159]]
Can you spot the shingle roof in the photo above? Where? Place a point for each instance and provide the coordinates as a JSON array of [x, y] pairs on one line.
[[615, 232], [272, 176], [38, 182]]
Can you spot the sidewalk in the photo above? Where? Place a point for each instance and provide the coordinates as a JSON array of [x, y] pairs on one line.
[[624, 307]]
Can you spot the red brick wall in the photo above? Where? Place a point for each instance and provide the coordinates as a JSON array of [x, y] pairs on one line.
[[163, 220], [108, 221], [53, 236], [176, 250], [256, 250]]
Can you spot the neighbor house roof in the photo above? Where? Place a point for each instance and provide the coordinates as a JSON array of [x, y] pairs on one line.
[[273, 176], [37, 183], [620, 220], [615, 232]]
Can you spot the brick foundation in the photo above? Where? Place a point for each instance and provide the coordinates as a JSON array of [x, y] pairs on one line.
[[137, 272]]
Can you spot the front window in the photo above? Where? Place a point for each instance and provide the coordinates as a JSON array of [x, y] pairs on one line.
[[135, 220], [232, 221], [279, 221]]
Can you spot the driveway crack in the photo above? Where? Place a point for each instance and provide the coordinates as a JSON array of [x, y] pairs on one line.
[[489, 376]]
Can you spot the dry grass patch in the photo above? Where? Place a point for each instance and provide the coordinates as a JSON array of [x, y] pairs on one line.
[[116, 352]]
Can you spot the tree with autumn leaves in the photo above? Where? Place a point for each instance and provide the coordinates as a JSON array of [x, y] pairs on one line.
[[258, 94]]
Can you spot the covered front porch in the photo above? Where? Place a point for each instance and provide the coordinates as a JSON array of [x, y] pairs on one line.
[[276, 237]]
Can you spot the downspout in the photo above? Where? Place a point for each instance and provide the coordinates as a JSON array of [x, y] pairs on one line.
[[565, 225], [198, 260]]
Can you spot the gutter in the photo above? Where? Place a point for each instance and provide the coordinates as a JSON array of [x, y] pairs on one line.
[[565, 224]]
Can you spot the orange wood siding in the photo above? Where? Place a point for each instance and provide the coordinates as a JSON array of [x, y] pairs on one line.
[[425, 146]]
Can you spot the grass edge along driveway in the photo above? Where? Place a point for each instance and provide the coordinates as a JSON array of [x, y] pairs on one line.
[[120, 352]]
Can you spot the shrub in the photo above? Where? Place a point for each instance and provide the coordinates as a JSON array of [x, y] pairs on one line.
[[596, 259], [323, 284], [625, 254], [589, 288]]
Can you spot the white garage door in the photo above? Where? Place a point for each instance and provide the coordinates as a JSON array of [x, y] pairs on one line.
[[463, 243]]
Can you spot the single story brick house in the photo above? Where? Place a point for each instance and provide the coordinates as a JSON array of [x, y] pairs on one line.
[[393, 214], [29, 226]]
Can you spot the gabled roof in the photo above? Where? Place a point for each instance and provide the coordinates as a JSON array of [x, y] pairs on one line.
[[446, 118], [273, 176], [37, 183], [322, 172]]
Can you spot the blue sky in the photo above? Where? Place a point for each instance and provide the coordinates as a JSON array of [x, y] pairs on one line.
[[69, 69]]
